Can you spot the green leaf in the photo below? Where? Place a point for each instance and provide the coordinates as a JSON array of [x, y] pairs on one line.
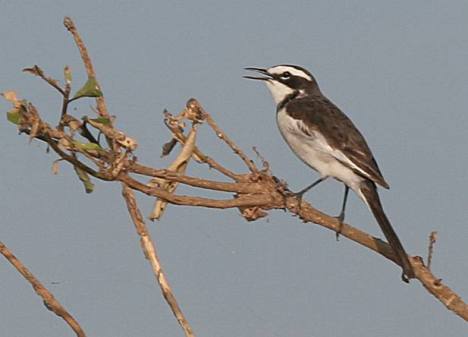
[[101, 120], [90, 89], [84, 177], [14, 116], [19, 106], [91, 146], [87, 146]]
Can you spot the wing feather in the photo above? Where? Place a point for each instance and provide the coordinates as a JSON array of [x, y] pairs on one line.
[[346, 142]]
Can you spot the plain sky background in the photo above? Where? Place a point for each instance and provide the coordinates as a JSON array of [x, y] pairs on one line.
[[399, 69]]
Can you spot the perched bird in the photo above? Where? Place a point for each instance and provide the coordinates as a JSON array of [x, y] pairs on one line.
[[325, 139]]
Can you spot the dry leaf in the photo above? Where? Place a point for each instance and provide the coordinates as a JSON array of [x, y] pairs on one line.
[[55, 167], [179, 165], [10, 96]]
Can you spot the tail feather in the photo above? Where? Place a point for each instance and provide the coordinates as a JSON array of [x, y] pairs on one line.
[[369, 192]]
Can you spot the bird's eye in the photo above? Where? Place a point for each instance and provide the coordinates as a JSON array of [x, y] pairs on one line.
[[285, 75]]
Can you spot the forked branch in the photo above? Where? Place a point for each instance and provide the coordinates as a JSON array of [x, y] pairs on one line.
[[254, 192]]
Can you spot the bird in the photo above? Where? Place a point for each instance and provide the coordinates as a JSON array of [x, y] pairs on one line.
[[326, 140]]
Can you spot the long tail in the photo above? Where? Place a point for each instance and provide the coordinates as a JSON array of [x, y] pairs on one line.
[[369, 192]]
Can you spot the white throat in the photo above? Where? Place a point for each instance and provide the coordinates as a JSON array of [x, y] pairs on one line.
[[278, 90]]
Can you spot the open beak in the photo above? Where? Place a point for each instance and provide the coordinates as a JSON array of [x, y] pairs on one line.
[[261, 71]]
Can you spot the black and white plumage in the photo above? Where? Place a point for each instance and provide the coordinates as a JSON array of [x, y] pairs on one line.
[[325, 139]]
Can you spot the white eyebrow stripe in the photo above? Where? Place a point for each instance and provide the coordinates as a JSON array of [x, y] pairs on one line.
[[294, 71]]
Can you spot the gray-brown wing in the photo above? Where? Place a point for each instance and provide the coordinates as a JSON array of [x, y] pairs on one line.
[[321, 114]]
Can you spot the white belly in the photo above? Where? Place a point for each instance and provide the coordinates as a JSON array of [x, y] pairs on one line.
[[316, 152]]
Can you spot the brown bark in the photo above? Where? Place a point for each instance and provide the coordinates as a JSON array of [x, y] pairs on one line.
[[254, 193]]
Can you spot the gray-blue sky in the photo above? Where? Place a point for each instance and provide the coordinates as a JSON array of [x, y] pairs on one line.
[[397, 68]]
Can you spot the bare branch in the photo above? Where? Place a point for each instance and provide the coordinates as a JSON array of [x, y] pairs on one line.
[[432, 241], [423, 274], [247, 200], [50, 301], [70, 25], [66, 96], [180, 137], [221, 135], [149, 250], [253, 193], [440, 291], [37, 71], [240, 187]]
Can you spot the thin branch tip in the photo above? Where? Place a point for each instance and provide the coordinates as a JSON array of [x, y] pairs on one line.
[[51, 303]]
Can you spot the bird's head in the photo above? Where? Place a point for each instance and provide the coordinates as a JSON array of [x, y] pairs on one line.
[[285, 80]]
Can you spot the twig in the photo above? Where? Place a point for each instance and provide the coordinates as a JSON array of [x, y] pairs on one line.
[[180, 137], [240, 187], [36, 70], [432, 241], [149, 250], [271, 199], [221, 135], [66, 97], [50, 301], [265, 164], [70, 25], [423, 274], [255, 192], [264, 194], [179, 165], [75, 162], [244, 200]]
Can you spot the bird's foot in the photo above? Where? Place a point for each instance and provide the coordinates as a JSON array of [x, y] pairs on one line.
[[298, 196], [340, 218], [404, 278]]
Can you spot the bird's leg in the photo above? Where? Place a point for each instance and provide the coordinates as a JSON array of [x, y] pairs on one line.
[[342, 213], [303, 191]]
